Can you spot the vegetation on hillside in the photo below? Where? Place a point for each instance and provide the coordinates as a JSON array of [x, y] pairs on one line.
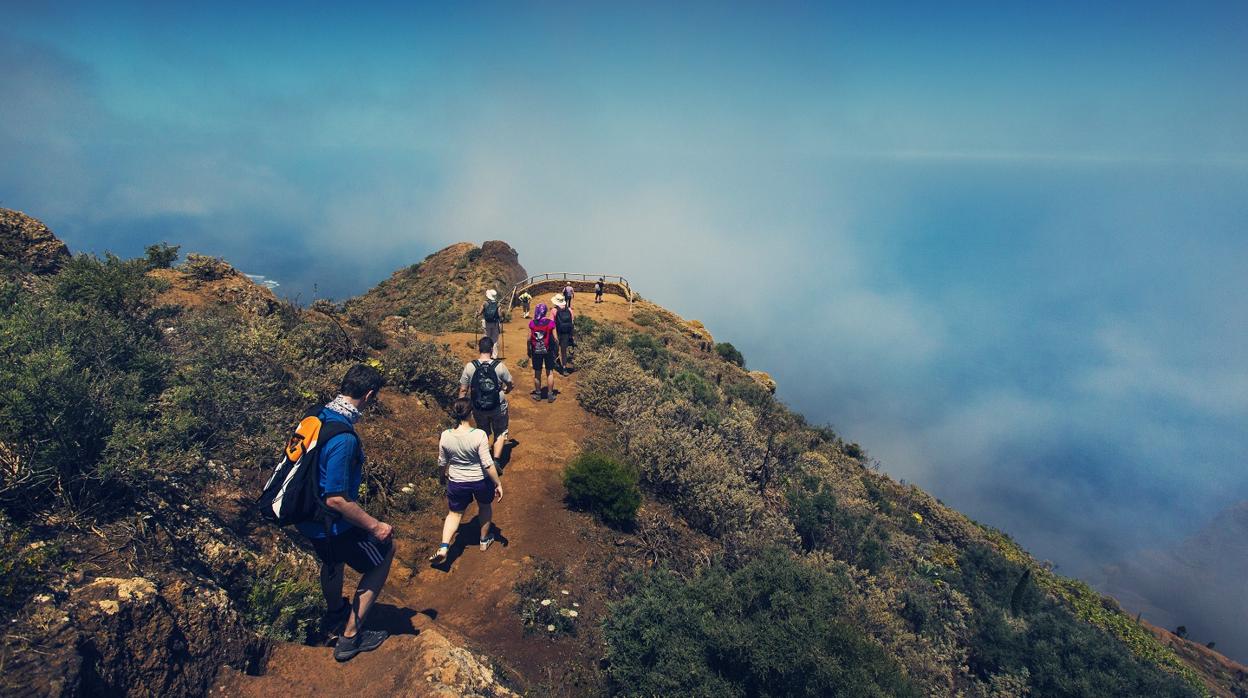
[[955, 607], [133, 433]]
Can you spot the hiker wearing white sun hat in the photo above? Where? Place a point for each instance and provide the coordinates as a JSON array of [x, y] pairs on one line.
[[563, 327], [491, 319]]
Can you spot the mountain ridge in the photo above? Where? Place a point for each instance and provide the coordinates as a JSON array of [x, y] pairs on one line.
[[768, 479]]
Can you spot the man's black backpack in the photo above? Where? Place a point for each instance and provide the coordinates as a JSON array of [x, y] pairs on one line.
[[490, 311], [486, 391], [563, 322], [292, 494]]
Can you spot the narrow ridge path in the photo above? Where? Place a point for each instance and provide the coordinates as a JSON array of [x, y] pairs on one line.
[[472, 600]]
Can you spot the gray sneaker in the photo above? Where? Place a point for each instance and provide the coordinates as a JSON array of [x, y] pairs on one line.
[[364, 641]]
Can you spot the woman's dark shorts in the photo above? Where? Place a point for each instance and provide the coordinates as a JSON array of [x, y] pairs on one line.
[[460, 494], [548, 360], [354, 548]]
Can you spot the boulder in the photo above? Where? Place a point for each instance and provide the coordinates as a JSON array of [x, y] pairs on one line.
[[30, 244]]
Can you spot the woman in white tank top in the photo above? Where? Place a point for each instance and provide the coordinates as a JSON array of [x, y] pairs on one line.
[[464, 455]]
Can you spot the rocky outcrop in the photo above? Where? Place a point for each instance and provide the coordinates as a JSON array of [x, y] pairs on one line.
[[129, 636], [444, 291], [28, 243], [424, 664], [204, 281]]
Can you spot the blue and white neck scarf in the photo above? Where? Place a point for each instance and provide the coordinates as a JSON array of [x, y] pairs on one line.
[[343, 406]]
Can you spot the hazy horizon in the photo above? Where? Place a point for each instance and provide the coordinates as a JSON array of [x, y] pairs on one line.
[[1002, 249]]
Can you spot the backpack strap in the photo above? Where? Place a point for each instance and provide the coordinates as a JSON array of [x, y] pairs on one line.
[[330, 428]]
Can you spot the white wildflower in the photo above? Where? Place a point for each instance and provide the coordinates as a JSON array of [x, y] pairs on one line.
[[551, 628], [545, 602]]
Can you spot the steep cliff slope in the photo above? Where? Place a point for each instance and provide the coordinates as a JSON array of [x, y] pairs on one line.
[[766, 557]]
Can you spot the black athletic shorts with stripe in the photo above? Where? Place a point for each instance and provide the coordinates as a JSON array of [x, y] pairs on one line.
[[354, 548]]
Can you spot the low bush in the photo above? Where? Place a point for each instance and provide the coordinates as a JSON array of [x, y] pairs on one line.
[[729, 353], [823, 524], [605, 487], [650, 353], [204, 268], [696, 387], [774, 627], [161, 255], [748, 390], [423, 367], [83, 361], [1017, 627], [283, 604]]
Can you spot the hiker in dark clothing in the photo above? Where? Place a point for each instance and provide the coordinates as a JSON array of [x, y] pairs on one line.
[[563, 327], [568, 292], [353, 537], [598, 290], [491, 319], [542, 346]]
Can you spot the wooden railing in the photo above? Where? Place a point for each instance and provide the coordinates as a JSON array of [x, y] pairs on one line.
[[612, 283]]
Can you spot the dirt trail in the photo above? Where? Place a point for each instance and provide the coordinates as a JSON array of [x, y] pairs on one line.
[[471, 599]]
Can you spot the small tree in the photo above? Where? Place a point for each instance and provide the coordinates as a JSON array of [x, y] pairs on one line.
[[161, 255], [729, 353]]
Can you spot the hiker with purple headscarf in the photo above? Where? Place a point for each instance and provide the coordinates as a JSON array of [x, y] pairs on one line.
[[542, 346]]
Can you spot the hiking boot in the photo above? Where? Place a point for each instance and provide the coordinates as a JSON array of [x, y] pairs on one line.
[[364, 641]]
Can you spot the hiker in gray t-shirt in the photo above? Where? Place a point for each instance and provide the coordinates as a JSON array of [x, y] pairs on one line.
[[488, 393]]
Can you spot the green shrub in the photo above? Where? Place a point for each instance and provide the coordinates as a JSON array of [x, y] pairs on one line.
[[204, 268], [696, 387], [584, 327], [646, 318], [423, 367], [283, 604], [823, 524], [650, 353], [774, 627], [1062, 656], [748, 391], [161, 255], [605, 487], [729, 353], [82, 361]]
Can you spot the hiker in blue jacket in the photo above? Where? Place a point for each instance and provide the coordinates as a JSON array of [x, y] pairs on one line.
[[352, 537]]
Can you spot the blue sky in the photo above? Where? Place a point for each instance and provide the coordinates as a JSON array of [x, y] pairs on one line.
[[1002, 247]]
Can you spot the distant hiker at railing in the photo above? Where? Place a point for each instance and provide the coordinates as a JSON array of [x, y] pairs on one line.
[[353, 538], [525, 299], [541, 348], [486, 382], [464, 455], [568, 292], [563, 327], [598, 289], [491, 319]]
